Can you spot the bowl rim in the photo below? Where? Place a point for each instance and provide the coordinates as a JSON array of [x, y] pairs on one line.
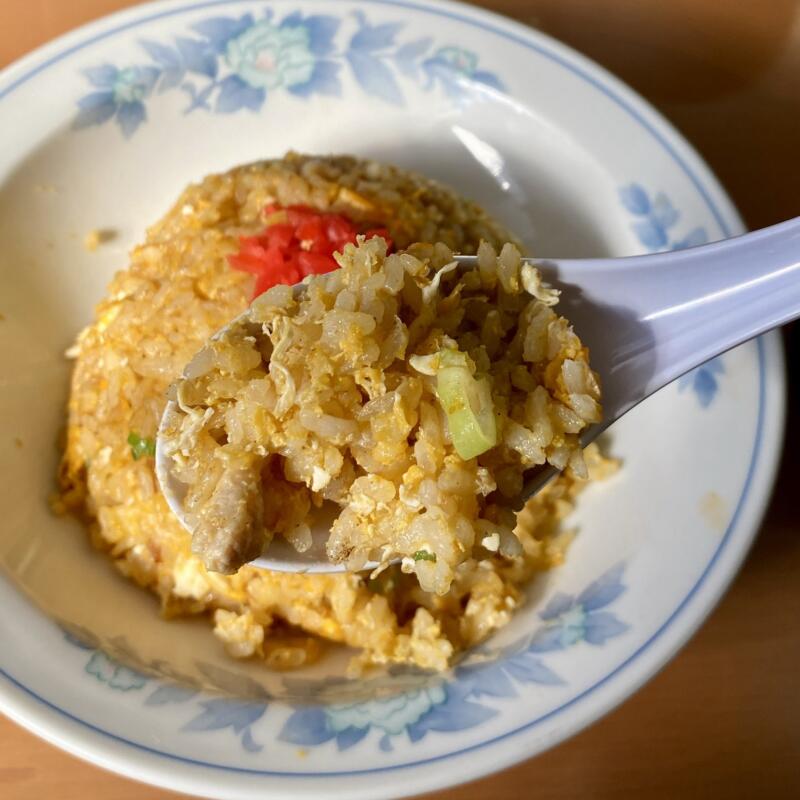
[[113, 752]]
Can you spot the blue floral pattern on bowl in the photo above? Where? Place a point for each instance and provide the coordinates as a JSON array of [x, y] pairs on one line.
[[406, 702], [229, 64], [116, 675], [244, 705], [703, 381], [655, 219]]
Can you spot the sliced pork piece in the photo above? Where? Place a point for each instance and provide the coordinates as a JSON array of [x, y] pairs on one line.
[[230, 528]]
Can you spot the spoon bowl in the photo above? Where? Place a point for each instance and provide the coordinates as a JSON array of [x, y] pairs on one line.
[[649, 320]]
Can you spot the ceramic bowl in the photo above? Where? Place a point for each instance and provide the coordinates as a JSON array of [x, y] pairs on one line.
[[102, 130]]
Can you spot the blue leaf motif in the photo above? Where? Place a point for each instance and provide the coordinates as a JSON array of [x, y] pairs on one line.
[[170, 693], [532, 670], [170, 62], [220, 30], [635, 199], [197, 57], [493, 681], [461, 690], [130, 116], [198, 99], [321, 29], [324, 80], [407, 56], [222, 712], [703, 381], [705, 387], [249, 743], [170, 78], [602, 626], [413, 50], [292, 20], [369, 38], [235, 94], [453, 717], [103, 76], [487, 78], [558, 605], [164, 56], [663, 213], [147, 77], [650, 234], [416, 731], [306, 726], [350, 736], [375, 78], [95, 109], [694, 238], [607, 588], [234, 683], [548, 639]]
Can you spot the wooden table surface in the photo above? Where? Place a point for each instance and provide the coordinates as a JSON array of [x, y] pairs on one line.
[[723, 719]]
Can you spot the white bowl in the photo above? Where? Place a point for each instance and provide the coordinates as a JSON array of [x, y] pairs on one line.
[[103, 128]]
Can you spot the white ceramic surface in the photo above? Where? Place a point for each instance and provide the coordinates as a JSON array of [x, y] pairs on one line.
[[102, 129]]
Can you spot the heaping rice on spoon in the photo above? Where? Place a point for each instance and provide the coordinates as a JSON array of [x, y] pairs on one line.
[[407, 392]]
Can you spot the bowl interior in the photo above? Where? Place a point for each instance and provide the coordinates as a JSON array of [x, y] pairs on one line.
[[572, 170]]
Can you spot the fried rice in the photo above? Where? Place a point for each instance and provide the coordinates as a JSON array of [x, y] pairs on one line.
[[179, 289]]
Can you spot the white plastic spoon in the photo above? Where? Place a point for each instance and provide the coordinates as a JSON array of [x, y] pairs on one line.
[[646, 319]]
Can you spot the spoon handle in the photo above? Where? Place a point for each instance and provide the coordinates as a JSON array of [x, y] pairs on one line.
[[652, 318]]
